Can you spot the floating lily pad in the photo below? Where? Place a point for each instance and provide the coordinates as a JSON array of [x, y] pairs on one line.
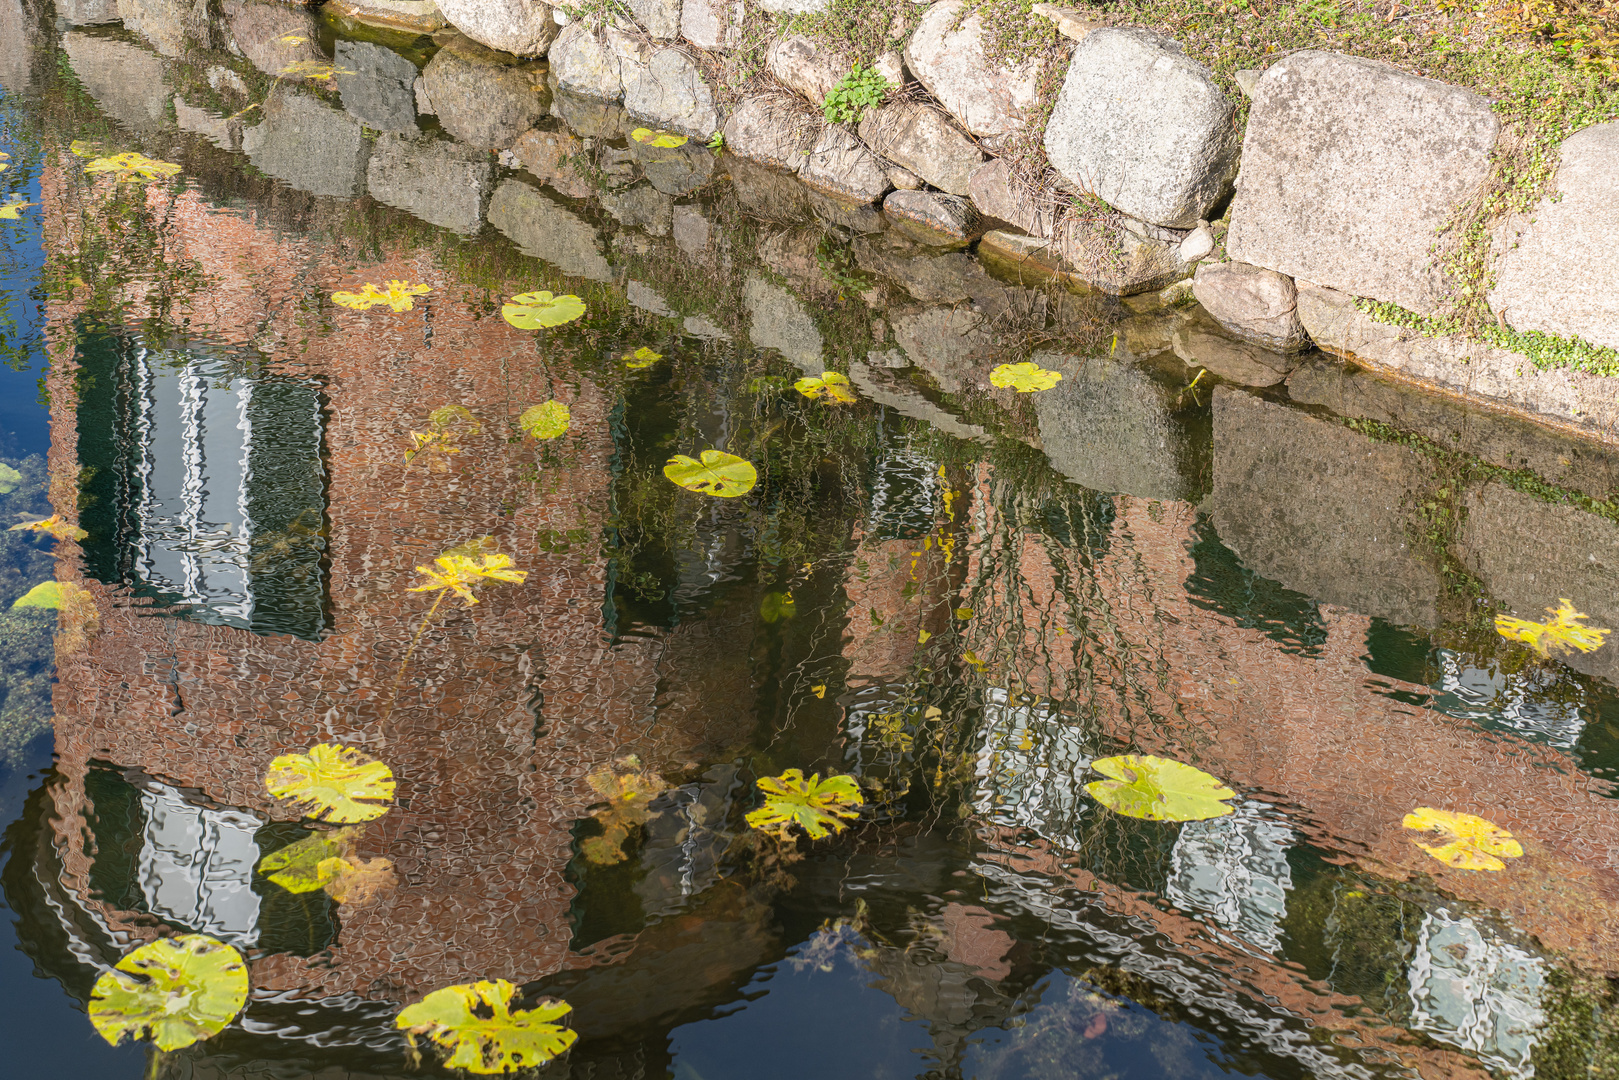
[[300, 867], [1155, 788], [1463, 841], [831, 387], [538, 310], [476, 1024], [12, 209], [1025, 378], [718, 473], [398, 296], [549, 420], [54, 526], [817, 806], [174, 992], [664, 140], [47, 594], [332, 783]]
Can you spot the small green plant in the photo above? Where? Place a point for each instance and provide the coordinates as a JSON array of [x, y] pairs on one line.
[[855, 94], [716, 141]]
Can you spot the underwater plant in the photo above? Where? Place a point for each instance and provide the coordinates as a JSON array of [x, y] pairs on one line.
[[817, 806]]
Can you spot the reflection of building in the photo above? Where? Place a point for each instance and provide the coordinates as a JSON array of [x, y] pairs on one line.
[[195, 866], [1519, 703], [1031, 764], [1235, 869], [1471, 989]]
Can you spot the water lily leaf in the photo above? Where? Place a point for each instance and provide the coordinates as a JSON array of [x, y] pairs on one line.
[[817, 806], [398, 295], [12, 209], [132, 166], [641, 358], [664, 140], [501, 1041], [332, 783], [355, 882], [1158, 789], [4, 157], [1463, 841], [776, 606], [1025, 378], [299, 867], [718, 473], [1562, 633], [460, 573], [54, 525], [47, 594], [534, 310], [546, 421], [830, 387], [174, 991]]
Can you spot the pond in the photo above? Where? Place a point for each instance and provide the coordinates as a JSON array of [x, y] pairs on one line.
[[957, 594]]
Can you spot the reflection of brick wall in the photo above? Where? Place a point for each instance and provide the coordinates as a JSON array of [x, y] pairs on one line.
[[488, 786]]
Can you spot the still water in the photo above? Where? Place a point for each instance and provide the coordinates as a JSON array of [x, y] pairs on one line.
[[958, 595]]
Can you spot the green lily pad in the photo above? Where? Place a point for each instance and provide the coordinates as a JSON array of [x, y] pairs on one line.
[[503, 1041], [549, 420], [47, 594], [536, 310], [174, 991], [1155, 788], [298, 868], [718, 473]]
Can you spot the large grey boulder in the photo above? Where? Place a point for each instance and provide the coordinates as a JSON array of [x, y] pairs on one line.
[[422, 16], [670, 91], [272, 36], [308, 144], [1253, 303], [550, 156], [377, 85], [659, 18], [522, 27], [778, 320], [585, 62], [20, 37], [483, 101], [589, 117], [767, 193], [82, 12], [1144, 127], [922, 139], [125, 80], [441, 182], [1118, 259], [1558, 268], [950, 59], [933, 217], [674, 170], [947, 342], [1200, 341], [544, 229], [775, 129], [640, 206], [713, 24], [838, 164], [1349, 169]]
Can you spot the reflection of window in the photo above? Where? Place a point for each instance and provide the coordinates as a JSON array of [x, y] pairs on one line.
[[204, 485], [1527, 702], [904, 488], [1031, 763], [196, 866], [1235, 868], [1472, 990]]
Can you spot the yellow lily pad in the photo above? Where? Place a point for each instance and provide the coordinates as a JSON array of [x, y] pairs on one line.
[[536, 310], [173, 992], [1158, 789], [1025, 378], [817, 806], [398, 295], [476, 1024], [718, 473], [11, 210], [1463, 841], [332, 783], [665, 140], [460, 572], [831, 387], [1562, 633], [54, 526], [548, 420], [132, 166]]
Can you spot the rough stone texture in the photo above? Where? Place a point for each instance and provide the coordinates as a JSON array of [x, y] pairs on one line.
[[935, 278], [1485, 373], [948, 343], [671, 91], [1143, 127], [1029, 258], [643, 296], [589, 64], [1530, 554], [1198, 244], [808, 66], [377, 85], [773, 129], [660, 18], [125, 80], [166, 24], [676, 170], [272, 36], [1330, 522], [81, 12], [996, 193], [1349, 168], [19, 38], [1110, 427], [442, 183], [766, 193], [989, 99], [640, 206], [691, 229], [950, 217], [589, 117], [422, 16], [1253, 303], [903, 179], [857, 218], [794, 7], [484, 104], [1201, 342], [1118, 261], [545, 230], [713, 24], [1558, 269], [521, 27], [922, 139], [777, 320], [308, 143], [546, 155], [838, 164]]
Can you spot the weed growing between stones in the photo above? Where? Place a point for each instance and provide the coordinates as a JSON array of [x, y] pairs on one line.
[[1545, 351]]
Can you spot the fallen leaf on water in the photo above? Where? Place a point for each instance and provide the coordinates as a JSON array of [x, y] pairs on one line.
[[460, 573], [477, 1025], [819, 691], [12, 210], [719, 474], [173, 991], [548, 420], [1155, 788], [132, 166], [53, 525], [922, 637], [1025, 378], [52, 595], [814, 805], [830, 387], [398, 295], [535, 310], [665, 140], [1562, 633], [1463, 841], [332, 783]]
